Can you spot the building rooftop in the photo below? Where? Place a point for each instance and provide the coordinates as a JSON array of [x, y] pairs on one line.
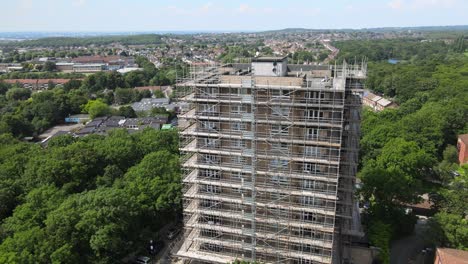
[[452, 256], [269, 59], [463, 138]]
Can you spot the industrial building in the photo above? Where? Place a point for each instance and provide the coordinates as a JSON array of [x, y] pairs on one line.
[[269, 154]]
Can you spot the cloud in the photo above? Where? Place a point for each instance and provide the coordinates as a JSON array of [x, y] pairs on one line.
[[78, 3], [206, 7], [396, 4], [245, 8]]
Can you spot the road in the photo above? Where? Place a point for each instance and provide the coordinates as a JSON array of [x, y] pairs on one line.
[[408, 250], [334, 51]]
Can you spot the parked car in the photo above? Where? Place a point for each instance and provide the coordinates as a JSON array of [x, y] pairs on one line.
[[142, 260], [172, 233]]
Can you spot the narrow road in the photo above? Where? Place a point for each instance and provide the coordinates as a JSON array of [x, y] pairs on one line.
[[334, 51], [408, 250]]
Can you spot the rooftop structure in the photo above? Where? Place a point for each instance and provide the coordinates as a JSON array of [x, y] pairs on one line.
[[451, 256], [102, 125], [462, 146], [269, 154], [377, 103], [146, 104]]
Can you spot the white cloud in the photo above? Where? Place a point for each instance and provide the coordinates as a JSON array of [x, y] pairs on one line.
[[206, 7], [396, 4], [78, 3], [245, 8]]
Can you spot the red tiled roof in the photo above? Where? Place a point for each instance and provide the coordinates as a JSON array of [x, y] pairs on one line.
[[464, 138], [452, 256]]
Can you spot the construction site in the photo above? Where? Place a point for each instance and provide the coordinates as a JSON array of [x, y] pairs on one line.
[[269, 158]]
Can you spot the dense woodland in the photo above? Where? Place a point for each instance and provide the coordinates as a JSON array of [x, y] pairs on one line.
[[89, 200], [97, 199], [409, 151]]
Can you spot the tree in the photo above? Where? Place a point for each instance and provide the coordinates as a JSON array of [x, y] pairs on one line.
[[159, 94], [18, 94], [395, 176], [127, 111], [123, 95], [4, 87], [380, 235], [86, 200], [50, 66], [97, 108]]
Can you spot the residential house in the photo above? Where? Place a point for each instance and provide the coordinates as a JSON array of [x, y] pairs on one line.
[[462, 144]]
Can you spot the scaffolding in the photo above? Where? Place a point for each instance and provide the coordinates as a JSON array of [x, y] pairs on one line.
[[269, 162]]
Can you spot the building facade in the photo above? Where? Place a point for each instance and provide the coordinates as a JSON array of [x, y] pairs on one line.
[[269, 153]]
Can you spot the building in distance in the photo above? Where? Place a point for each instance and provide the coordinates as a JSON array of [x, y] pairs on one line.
[[462, 144], [377, 103]]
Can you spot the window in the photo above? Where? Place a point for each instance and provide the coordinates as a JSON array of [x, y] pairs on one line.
[[313, 114], [308, 216], [320, 185], [280, 93], [210, 204], [279, 146], [211, 159], [212, 247], [315, 95], [312, 133], [238, 91], [305, 261], [280, 111], [209, 92], [306, 232], [307, 200], [282, 213], [280, 129], [238, 143], [311, 168], [210, 142], [238, 109], [311, 151], [210, 233], [278, 164], [209, 125], [308, 184], [237, 175], [281, 180], [238, 160], [212, 189], [214, 174], [208, 109], [278, 196], [238, 126]]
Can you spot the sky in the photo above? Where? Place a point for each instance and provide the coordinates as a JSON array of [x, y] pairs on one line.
[[228, 15]]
